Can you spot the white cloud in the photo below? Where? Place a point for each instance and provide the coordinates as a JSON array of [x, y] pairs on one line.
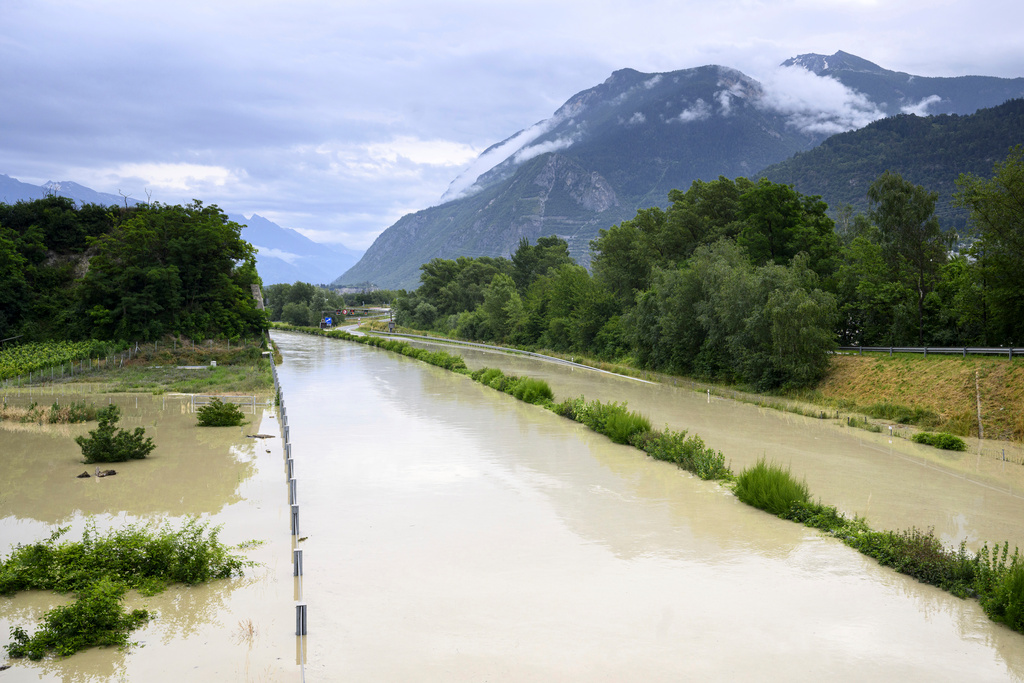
[[286, 256], [527, 153], [465, 184], [816, 104], [921, 108], [636, 118], [174, 177], [651, 82], [698, 112], [726, 96], [429, 152]]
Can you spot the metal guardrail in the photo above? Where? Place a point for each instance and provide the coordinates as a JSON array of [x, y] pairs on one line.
[[964, 351]]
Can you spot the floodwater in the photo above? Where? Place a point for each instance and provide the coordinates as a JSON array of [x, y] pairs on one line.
[[219, 475], [452, 533]]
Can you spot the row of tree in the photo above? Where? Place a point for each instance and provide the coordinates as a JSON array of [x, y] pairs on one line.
[[305, 304], [133, 273], [752, 281]]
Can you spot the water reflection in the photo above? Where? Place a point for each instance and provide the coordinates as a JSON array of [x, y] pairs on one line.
[[456, 534]]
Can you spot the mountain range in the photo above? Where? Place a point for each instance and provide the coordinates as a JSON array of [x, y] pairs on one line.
[[283, 255], [623, 144]]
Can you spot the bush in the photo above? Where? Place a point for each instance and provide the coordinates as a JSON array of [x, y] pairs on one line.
[[532, 390], [613, 420], [1006, 602], [109, 444], [96, 618], [220, 414], [688, 453], [99, 569], [770, 488], [941, 440], [921, 555]]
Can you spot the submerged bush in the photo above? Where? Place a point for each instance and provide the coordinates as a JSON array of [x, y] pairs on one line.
[[613, 420], [688, 453], [532, 390], [770, 488], [220, 414], [896, 412], [941, 440], [109, 444], [99, 570], [95, 618]]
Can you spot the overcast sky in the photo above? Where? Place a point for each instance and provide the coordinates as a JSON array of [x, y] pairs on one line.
[[336, 118]]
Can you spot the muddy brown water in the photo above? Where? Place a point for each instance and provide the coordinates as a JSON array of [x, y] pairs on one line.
[[215, 474], [452, 533]]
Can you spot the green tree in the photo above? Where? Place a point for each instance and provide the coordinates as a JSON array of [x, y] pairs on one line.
[[107, 443], [912, 241], [997, 215], [172, 269], [531, 262]]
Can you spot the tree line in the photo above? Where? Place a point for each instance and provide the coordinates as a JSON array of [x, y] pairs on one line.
[[752, 282], [132, 273], [304, 304]]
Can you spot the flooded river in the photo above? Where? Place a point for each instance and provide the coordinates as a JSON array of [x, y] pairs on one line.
[[452, 533], [216, 474]]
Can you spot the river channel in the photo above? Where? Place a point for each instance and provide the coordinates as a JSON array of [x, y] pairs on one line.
[[452, 533]]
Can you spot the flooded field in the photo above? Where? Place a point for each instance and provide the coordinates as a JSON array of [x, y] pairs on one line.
[[454, 533], [239, 629]]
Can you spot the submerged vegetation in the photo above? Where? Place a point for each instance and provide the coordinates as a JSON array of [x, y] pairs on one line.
[[107, 443], [220, 414], [99, 569], [995, 577]]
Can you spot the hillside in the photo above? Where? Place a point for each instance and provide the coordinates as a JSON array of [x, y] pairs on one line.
[[623, 144], [931, 151]]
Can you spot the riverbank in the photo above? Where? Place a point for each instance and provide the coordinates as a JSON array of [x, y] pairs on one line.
[[969, 396]]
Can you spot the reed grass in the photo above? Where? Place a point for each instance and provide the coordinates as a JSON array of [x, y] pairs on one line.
[[770, 487]]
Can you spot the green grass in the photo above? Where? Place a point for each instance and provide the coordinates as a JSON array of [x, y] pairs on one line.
[[771, 488]]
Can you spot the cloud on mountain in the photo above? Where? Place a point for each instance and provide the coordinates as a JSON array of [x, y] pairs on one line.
[[816, 104]]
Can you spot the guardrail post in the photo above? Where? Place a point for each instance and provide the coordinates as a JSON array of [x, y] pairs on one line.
[[300, 620], [292, 492], [295, 520], [297, 559], [290, 463]]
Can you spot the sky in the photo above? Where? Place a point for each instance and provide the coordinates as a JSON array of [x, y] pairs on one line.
[[336, 118]]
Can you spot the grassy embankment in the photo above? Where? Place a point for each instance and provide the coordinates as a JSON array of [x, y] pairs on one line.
[[934, 393], [995, 577]]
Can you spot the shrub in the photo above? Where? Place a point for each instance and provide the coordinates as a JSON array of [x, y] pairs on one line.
[[220, 414], [688, 453], [96, 618], [770, 488], [109, 444], [99, 569], [941, 440], [921, 555], [613, 420], [1006, 602], [533, 390]]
